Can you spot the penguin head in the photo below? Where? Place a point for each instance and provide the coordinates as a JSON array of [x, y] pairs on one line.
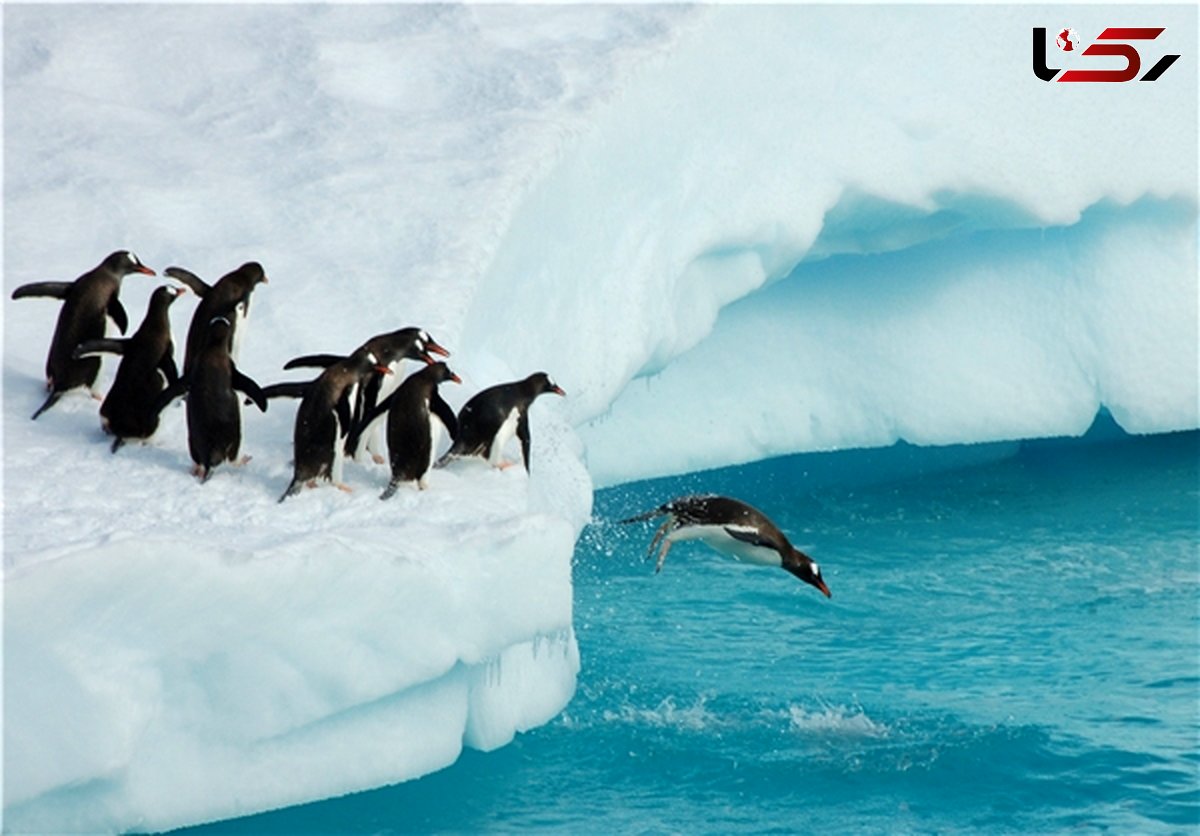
[[123, 262], [541, 384], [440, 373], [430, 345], [251, 273], [365, 361], [166, 294], [806, 569]]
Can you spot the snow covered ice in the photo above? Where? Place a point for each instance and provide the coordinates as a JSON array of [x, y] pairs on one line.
[[729, 233]]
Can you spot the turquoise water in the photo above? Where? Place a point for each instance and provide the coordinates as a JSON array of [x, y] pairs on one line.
[[1013, 644]]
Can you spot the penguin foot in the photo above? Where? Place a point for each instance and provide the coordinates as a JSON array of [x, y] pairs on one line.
[[504, 464], [96, 396], [378, 459], [244, 460], [662, 556], [342, 486]]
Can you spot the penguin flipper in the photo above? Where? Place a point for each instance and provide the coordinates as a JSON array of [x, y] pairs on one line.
[[649, 515], [748, 535], [250, 389], [117, 311], [445, 414], [167, 366], [93, 347], [314, 361], [53, 290], [523, 435], [179, 387], [194, 282], [368, 418], [286, 390], [344, 415]]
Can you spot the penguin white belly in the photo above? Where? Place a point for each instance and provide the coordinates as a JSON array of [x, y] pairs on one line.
[[716, 537], [506, 433], [374, 442], [241, 318]]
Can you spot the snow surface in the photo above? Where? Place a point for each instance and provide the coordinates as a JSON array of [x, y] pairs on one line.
[[728, 233]]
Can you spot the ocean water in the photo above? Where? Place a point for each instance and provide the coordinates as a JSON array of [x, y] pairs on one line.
[[1013, 645]]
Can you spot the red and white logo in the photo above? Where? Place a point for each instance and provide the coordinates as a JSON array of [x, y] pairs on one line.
[[1115, 41]]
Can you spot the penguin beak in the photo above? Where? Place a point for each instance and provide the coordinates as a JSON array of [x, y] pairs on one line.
[[455, 378], [558, 391], [178, 291], [436, 349], [383, 370], [142, 268], [820, 584]]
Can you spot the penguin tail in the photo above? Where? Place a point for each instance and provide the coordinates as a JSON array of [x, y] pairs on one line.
[[390, 490], [118, 443], [292, 489], [50, 401]]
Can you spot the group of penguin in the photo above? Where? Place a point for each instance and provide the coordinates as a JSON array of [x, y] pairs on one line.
[[340, 411]]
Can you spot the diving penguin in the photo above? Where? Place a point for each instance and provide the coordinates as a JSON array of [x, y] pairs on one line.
[[214, 416], [490, 419], [130, 409], [733, 528], [86, 302]]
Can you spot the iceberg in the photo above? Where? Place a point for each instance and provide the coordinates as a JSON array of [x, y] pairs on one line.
[[730, 233]]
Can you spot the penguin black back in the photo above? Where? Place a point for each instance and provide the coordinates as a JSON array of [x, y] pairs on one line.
[[214, 415], [416, 415], [323, 421], [86, 303], [147, 367], [229, 297], [489, 419]]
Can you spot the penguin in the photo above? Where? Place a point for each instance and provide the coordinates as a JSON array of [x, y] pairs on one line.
[[492, 417], [228, 298], [86, 301], [733, 528], [214, 416], [323, 422], [147, 368], [392, 349], [416, 418]]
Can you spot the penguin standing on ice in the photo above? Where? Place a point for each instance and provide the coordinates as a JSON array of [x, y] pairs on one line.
[[130, 409], [323, 422], [228, 298], [214, 416], [731, 527], [416, 418], [86, 303], [492, 417], [391, 349]]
